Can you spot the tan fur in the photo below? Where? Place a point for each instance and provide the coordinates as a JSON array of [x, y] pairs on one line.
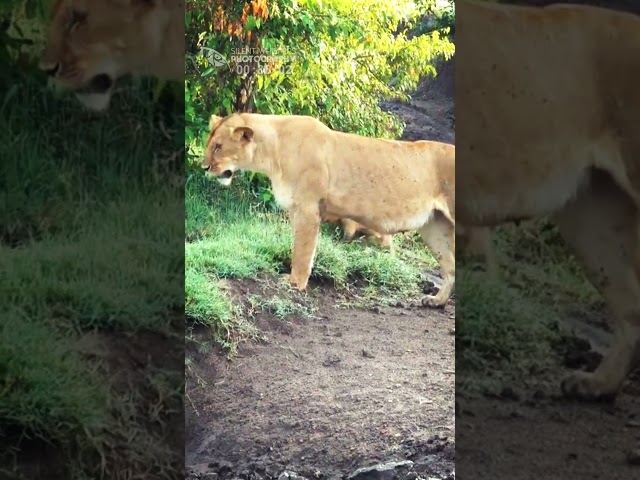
[[316, 173], [476, 242], [112, 38], [549, 124], [351, 228]]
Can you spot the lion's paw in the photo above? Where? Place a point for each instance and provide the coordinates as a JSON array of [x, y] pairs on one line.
[[293, 283], [431, 301], [586, 386]]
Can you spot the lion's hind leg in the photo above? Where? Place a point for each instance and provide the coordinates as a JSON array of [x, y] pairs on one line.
[[349, 229], [601, 224], [479, 244], [439, 236]]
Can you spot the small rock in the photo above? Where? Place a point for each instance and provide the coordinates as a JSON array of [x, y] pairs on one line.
[[271, 471], [331, 361], [366, 354], [381, 471], [223, 468], [452, 331], [376, 309], [288, 475], [399, 305]]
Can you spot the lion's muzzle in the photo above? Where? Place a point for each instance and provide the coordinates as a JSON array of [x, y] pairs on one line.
[[223, 176], [98, 84]]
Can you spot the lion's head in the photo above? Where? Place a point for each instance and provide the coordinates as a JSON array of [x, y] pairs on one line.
[[91, 43], [230, 147]]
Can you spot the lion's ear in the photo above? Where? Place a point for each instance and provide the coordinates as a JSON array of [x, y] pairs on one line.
[[214, 121], [242, 133]]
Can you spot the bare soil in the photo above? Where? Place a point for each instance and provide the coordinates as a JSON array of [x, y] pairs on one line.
[[430, 112], [529, 431], [327, 395]]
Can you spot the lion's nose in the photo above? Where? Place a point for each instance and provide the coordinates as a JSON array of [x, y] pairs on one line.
[[50, 69]]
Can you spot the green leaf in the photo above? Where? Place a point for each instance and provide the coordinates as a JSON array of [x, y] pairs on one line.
[[226, 103], [251, 23]]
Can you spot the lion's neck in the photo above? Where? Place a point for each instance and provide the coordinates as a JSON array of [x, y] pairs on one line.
[[268, 151]]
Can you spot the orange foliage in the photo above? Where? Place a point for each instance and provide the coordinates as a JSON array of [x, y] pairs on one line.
[[222, 22]]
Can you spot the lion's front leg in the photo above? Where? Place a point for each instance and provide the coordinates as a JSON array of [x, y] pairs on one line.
[[602, 226], [306, 227]]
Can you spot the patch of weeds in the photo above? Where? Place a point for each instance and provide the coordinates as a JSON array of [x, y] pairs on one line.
[[279, 306], [208, 304], [539, 263], [499, 330], [48, 391], [511, 328]]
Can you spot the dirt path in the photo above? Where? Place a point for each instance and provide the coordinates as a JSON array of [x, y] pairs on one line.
[[532, 437], [325, 396], [528, 431], [430, 113]]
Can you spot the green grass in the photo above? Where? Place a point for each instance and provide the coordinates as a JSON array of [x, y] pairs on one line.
[[509, 328], [230, 236], [45, 382], [91, 222]]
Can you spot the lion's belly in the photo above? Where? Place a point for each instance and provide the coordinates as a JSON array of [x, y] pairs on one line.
[[532, 185], [385, 215]]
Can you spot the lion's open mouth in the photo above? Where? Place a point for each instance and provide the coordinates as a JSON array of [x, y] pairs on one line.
[[226, 174], [101, 83]]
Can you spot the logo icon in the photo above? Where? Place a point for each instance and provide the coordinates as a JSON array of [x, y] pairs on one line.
[[214, 58]]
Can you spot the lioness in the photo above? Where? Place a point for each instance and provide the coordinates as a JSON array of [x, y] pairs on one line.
[[316, 173], [548, 124], [91, 43]]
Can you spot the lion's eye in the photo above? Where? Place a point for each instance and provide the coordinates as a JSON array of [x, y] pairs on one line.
[[217, 148], [77, 18]]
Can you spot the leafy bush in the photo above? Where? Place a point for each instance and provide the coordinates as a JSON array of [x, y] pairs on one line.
[[333, 60]]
